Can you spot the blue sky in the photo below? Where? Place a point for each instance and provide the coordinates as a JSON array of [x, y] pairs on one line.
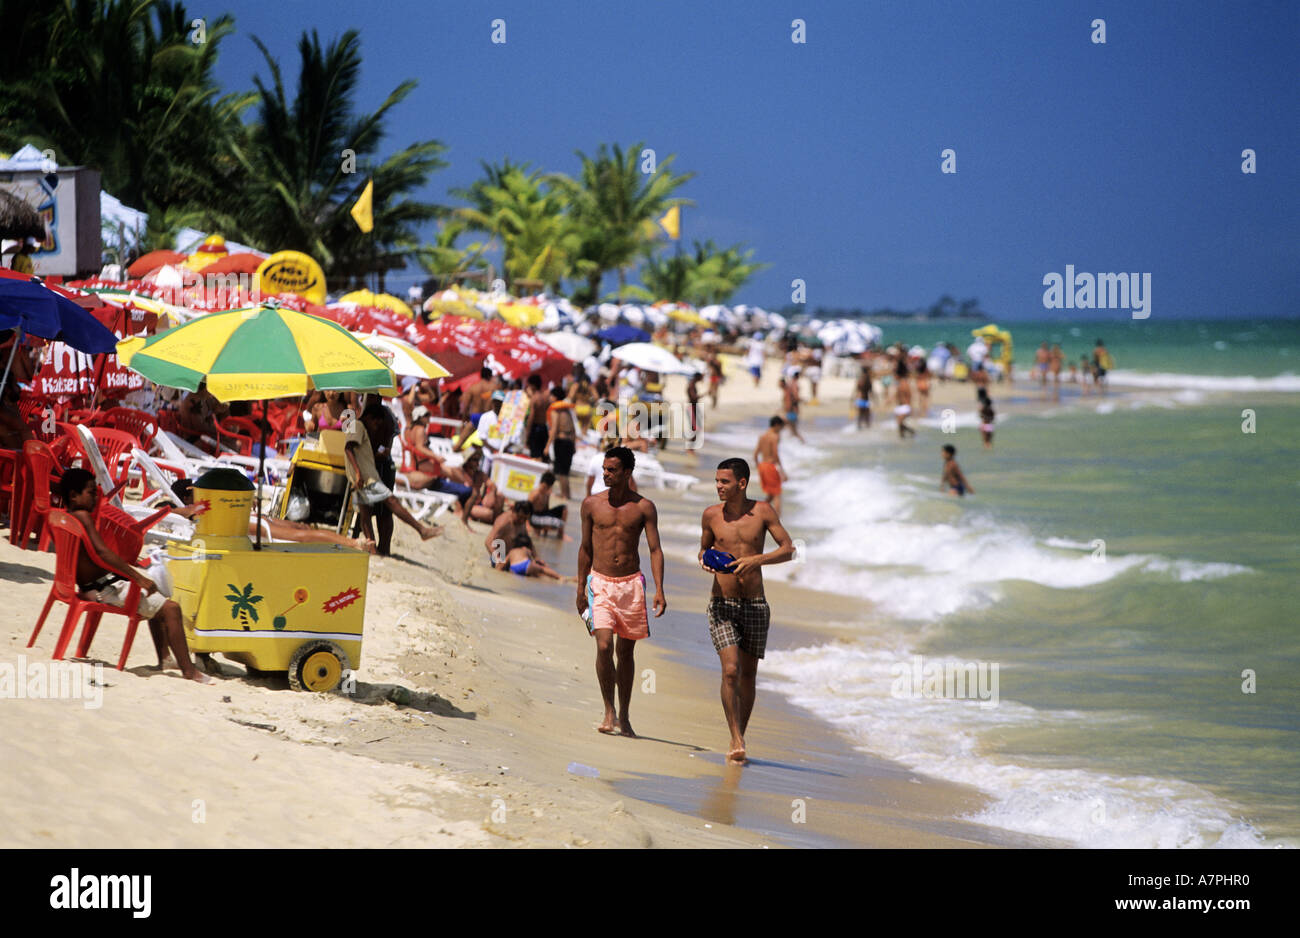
[[824, 157]]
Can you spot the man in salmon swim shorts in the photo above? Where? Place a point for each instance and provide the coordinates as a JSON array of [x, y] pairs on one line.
[[767, 454], [611, 586]]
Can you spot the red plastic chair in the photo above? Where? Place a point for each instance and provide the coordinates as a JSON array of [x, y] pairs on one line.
[[32, 501], [123, 533], [140, 425], [239, 434], [70, 539], [9, 461], [114, 445]]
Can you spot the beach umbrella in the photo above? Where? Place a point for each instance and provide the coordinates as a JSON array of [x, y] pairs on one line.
[[257, 353], [688, 316], [403, 358], [608, 312], [242, 263], [521, 315], [649, 357], [377, 300], [569, 344], [31, 308], [152, 261], [622, 335]]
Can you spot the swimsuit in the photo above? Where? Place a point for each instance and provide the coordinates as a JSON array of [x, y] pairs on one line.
[[521, 568], [742, 622], [618, 603], [770, 476]]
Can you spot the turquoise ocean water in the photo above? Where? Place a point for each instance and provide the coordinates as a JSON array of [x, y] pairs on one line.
[[1131, 565]]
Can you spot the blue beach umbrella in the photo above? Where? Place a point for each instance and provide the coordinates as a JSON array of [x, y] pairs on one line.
[[31, 308], [623, 334]]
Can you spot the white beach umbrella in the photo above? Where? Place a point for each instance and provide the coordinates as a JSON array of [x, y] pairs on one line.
[[649, 357], [569, 344], [607, 312], [656, 317], [403, 358], [633, 314]]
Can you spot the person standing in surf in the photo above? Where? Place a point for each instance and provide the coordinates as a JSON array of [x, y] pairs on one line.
[[739, 616], [611, 586]]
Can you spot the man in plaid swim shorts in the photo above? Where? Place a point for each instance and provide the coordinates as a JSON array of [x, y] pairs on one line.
[[738, 611]]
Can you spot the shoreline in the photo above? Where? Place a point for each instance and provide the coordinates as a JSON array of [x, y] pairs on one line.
[[475, 695]]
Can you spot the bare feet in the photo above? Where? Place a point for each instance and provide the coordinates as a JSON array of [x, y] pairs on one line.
[[606, 725], [737, 754], [364, 543], [198, 677], [430, 531], [625, 728]]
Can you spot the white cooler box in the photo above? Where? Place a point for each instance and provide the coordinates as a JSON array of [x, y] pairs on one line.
[[516, 476]]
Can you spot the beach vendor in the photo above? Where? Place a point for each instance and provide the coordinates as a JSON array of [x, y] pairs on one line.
[[732, 539], [369, 489], [112, 585], [611, 587]]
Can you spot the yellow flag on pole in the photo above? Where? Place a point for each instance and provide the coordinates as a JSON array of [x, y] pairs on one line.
[[363, 211], [672, 222]]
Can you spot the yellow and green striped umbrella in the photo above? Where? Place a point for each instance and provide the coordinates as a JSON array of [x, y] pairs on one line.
[[257, 353]]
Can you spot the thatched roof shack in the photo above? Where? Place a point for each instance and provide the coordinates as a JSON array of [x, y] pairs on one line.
[[18, 219]]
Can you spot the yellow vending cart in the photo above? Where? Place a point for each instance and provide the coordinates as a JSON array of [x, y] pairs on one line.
[[318, 484], [297, 608]]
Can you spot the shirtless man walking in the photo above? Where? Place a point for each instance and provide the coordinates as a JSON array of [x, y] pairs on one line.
[[738, 611], [767, 456], [611, 587]]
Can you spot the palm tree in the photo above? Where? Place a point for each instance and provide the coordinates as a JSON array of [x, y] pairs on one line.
[[705, 276], [446, 262], [538, 237], [243, 603], [119, 86], [611, 201], [301, 182]]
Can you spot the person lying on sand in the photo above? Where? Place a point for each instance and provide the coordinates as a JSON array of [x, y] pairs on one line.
[[522, 561], [112, 585]]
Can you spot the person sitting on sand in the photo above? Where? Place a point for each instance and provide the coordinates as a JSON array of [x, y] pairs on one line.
[[368, 487], [485, 502], [540, 498], [522, 561], [739, 616], [112, 585], [953, 479], [503, 531]]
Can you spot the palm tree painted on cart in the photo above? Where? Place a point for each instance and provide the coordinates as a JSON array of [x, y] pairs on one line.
[[244, 604]]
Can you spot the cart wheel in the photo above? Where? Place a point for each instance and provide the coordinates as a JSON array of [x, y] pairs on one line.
[[317, 667]]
